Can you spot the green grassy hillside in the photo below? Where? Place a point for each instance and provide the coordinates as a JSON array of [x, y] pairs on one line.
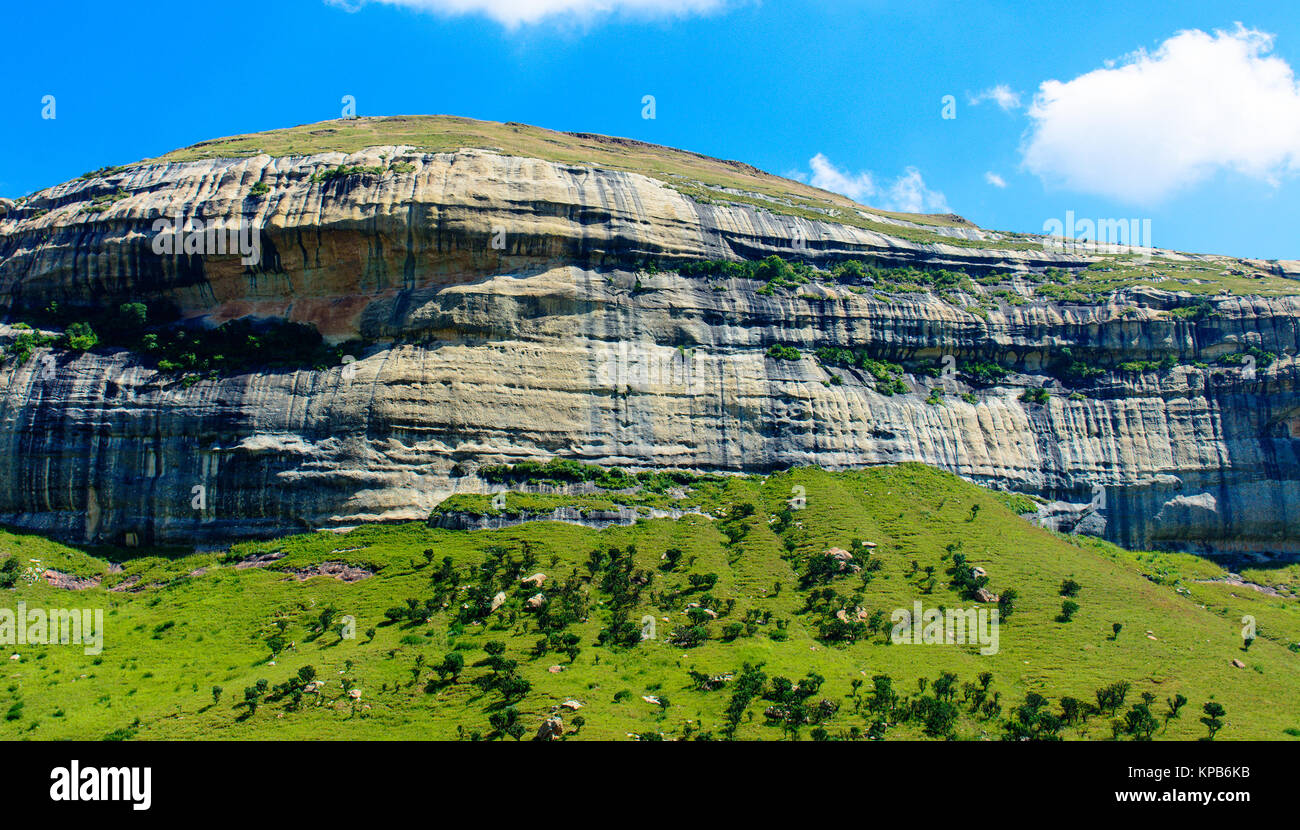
[[177, 625]]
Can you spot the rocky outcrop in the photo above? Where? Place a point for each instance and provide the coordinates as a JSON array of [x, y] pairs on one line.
[[508, 320]]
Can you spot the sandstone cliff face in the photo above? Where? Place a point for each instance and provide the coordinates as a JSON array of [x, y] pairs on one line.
[[508, 321]]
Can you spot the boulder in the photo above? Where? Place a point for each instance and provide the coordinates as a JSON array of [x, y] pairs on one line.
[[551, 729], [843, 560]]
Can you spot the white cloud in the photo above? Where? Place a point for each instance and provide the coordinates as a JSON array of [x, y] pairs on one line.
[[995, 180], [907, 193], [512, 13], [1003, 95], [829, 177], [1152, 124]]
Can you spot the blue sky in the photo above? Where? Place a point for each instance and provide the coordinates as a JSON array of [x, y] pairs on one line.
[[1202, 135]]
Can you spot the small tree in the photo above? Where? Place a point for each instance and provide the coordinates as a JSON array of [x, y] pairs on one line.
[[1115, 629], [216, 694], [945, 686], [883, 697], [1174, 703], [1070, 709], [326, 620], [1213, 719], [1006, 603], [1140, 723], [451, 666], [1110, 698], [1068, 609], [503, 720], [1070, 588]]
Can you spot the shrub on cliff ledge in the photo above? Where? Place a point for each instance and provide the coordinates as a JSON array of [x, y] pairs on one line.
[[778, 352], [239, 345], [80, 337], [1036, 395]]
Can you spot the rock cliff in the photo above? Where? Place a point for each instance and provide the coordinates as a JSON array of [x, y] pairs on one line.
[[508, 312]]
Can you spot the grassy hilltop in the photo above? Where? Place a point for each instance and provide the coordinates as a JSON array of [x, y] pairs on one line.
[[180, 624], [448, 133]]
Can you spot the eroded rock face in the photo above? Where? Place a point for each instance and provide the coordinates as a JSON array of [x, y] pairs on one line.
[[551, 344]]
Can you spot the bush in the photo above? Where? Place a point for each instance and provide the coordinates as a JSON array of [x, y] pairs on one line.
[[1080, 372], [9, 572], [343, 171], [1007, 603], [887, 375], [80, 337], [982, 372], [1036, 395], [779, 352]]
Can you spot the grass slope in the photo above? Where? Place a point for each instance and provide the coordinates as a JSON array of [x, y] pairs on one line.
[[191, 622]]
